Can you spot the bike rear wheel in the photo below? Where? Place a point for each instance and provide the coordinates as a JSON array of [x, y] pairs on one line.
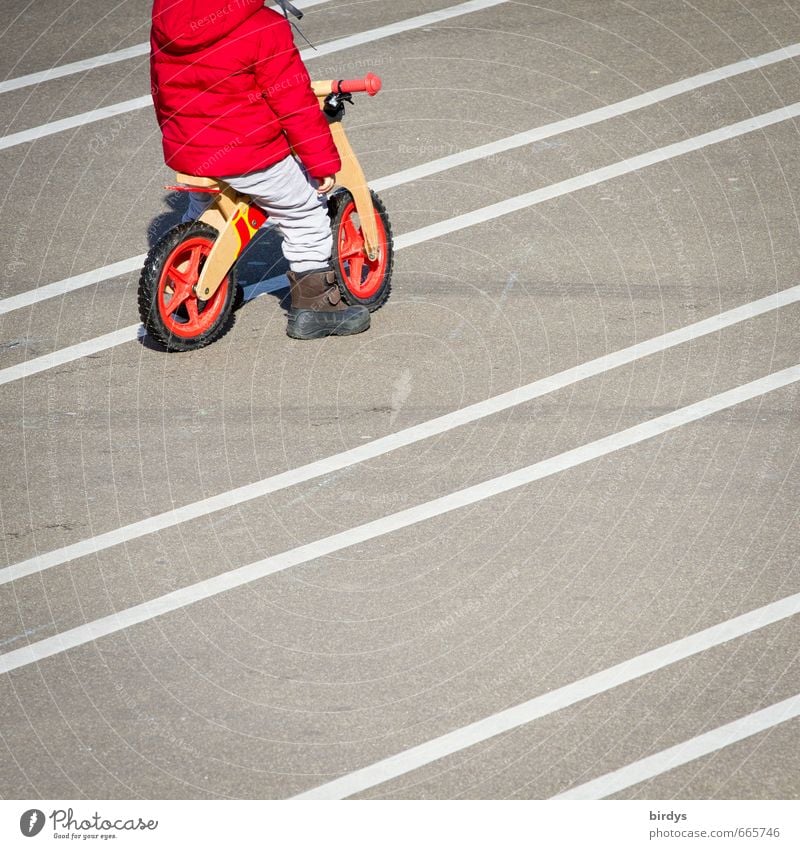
[[170, 310]]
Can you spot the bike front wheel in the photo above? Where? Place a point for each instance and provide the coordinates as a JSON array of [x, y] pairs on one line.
[[361, 280]]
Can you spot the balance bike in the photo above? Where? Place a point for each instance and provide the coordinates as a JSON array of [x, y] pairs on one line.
[[187, 288]]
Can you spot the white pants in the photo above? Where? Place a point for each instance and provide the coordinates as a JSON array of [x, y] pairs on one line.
[[289, 197]]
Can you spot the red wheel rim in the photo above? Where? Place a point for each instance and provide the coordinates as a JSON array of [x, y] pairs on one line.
[[362, 276], [180, 309]]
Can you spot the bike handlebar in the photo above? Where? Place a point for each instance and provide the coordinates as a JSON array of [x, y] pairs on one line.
[[371, 84]]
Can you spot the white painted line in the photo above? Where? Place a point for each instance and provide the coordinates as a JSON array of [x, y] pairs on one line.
[[264, 287], [514, 717], [600, 175], [38, 77], [555, 700], [74, 352], [132, 52], [400, 439], [586, 119], [99, 275], [683, 753], [111, 340], [396, 521], [437, 166], [53, 290], [334, 46], [515, 204], [74, 121], [426, 20]]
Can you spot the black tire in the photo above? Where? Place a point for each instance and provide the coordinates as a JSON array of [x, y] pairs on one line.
[[167, 328], [340, 206]]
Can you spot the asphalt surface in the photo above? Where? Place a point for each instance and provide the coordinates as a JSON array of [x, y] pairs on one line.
[[272, 688]]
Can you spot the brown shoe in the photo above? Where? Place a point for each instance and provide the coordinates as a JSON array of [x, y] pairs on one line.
[[318, 309]]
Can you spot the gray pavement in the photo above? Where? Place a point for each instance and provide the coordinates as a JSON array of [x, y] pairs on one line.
[[270, 689]]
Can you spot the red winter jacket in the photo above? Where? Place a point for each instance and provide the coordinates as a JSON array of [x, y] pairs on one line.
[[231, 91]]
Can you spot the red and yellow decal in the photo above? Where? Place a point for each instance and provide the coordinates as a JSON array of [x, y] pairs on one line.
[[248, 223]]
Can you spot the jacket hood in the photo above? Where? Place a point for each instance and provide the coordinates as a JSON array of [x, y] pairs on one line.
[[183, 26]]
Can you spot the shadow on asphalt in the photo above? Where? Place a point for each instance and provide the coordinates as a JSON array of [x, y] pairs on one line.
[[176, 201]]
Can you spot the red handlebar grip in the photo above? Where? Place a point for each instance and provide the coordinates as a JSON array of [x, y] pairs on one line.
[[370, 84]]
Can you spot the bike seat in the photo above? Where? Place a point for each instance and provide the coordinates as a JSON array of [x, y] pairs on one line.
[[199, 182]]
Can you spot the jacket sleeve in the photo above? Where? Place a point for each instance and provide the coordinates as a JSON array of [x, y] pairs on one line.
[[285, 84]]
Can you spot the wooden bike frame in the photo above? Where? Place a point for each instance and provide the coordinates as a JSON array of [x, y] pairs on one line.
[[238, 219]]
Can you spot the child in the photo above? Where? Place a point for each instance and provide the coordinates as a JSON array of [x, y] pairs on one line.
[[233, 99]]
